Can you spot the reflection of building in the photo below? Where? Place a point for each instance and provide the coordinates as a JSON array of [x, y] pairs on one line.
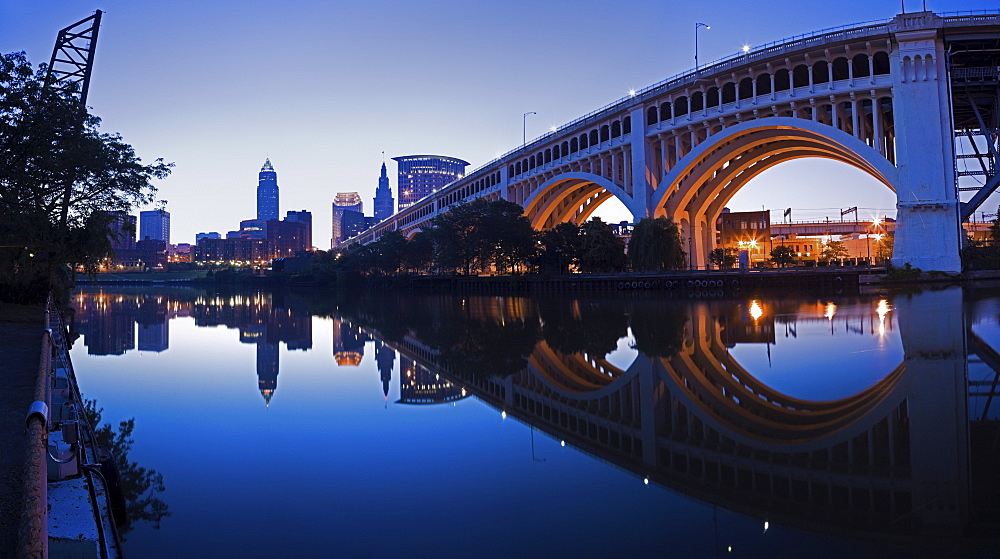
[[747, 324], [344, 201], [267, 370], [421, 175], [419, 385], [154, 337], [384, 358], [348, 343], [383, 204], [267, 192]]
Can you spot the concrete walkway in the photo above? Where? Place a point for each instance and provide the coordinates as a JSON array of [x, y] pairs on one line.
[[20, 344]]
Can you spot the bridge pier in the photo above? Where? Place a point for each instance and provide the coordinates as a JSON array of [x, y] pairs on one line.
[[927, 219]]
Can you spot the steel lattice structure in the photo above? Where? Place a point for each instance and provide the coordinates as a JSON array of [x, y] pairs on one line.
[[73, 57]]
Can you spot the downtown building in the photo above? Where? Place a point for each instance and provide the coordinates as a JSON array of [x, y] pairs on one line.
[[343, 202], [383, 204], [267, 192], [154, 225], [421, 175]]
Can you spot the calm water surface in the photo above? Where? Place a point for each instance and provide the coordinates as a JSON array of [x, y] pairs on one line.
[[309, 424]]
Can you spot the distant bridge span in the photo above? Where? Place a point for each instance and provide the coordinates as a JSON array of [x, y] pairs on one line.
[[888, 98]]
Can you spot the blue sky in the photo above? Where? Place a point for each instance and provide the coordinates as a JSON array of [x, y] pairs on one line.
[[322, 88]]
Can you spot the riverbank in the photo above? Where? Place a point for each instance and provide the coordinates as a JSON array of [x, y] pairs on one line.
[[20, 339], [679, 280]]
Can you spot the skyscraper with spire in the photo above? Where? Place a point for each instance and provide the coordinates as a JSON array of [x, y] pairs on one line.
[[384, 203], [267, 192]]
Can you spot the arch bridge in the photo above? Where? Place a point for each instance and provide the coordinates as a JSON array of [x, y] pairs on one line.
[[897, 99]]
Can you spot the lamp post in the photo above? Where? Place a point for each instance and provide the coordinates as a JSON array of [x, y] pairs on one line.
[[697, 26], [524, 129]]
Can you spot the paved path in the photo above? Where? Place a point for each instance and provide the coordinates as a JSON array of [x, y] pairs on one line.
[[20, 343]]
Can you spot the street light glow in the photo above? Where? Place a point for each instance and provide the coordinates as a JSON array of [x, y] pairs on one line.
[[631, 92], [746, 49]]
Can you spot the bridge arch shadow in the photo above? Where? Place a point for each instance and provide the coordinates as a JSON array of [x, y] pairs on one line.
[[695, 191]]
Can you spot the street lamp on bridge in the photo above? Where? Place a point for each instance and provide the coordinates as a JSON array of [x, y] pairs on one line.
[[697, 26], [524, 129]]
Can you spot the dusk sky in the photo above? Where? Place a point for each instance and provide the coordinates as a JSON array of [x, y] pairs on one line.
[[323, 88]]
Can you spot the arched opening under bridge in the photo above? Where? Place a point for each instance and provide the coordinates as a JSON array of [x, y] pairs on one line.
[[572, 197], [695, 191]]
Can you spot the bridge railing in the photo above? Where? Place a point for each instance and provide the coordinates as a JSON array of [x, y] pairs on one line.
[[849, 31]]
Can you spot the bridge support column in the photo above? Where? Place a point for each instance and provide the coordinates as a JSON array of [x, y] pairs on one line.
[[639, 172], [927, 218]]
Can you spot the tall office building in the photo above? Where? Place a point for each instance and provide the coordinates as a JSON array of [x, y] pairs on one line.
[[420, 175], [211, 235], [306, 217], [121, 231], [383, 204], [267, 192], [343, 201], [154, 225]]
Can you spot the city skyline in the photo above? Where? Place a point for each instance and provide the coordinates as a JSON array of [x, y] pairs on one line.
[[326, 130]]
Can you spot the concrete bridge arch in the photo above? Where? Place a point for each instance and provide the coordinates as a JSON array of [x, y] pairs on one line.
[[695, 190], [573, 197]]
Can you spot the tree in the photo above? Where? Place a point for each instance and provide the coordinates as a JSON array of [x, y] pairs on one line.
[[419, 253], [782, 255], [389, 251], [458, 239], [723, 258], [834, 250], [508, 234], [58, 173], [883, 247], [601, 250], [560, 247], [656, 245], [471, 237]]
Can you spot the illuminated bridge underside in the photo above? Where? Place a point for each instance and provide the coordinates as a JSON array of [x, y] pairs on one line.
[[876, 97]]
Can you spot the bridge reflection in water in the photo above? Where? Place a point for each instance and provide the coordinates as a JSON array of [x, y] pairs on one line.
[[912, 457], [668, 390]]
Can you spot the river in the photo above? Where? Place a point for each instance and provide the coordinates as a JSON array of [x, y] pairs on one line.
[[354, 424]]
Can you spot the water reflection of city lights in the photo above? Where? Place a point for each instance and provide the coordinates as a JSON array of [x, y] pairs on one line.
[[831, 310], [882, 310], [755, 310]]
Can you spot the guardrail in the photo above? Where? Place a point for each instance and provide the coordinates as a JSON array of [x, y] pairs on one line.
[[33, 532]]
